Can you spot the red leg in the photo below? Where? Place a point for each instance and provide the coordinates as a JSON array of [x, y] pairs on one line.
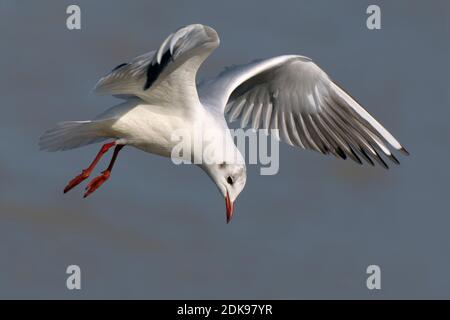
[[86, 172], [98, 181]]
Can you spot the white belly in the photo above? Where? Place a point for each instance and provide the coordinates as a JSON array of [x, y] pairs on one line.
[[159, 130], [150, 128]]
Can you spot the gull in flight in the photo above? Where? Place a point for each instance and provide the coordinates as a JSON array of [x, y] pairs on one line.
[[289, 95]]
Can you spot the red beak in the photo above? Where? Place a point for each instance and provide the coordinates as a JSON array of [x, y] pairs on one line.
[[229, 206]]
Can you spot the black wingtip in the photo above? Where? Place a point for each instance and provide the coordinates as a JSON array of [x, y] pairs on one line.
[[381, 161], [355, 157], [404, 151], [155, 69], [341, 153], [366, 156], [393, 159], [119, 66]]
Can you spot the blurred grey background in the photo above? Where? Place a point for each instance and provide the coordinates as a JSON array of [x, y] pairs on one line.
[[157, 230]]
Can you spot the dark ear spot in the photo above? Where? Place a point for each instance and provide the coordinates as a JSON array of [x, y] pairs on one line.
[[222, 165]]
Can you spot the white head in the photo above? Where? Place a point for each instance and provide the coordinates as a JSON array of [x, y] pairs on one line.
[[230, 178]]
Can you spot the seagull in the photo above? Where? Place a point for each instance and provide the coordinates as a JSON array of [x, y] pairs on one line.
[[289, 95]]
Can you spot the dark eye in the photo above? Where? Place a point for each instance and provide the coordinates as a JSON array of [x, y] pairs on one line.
[[230, 180]]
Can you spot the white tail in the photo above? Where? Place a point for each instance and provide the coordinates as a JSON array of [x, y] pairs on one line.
[[70, 135]]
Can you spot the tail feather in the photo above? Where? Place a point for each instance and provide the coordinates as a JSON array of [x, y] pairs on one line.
[[70, 135]]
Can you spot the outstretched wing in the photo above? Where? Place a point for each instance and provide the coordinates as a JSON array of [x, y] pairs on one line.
[[165, 74], [292, 94]]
